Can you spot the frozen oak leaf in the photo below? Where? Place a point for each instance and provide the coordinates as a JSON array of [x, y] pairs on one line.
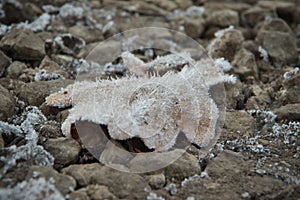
[[153, 108]]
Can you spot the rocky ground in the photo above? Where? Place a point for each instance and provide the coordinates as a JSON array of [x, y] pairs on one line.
[[258, 154]]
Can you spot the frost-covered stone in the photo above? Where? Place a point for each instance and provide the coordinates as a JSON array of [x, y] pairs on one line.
[[7, 103]]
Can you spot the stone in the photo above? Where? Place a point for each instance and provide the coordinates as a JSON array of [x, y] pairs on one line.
[[236, 6], [99, 192], [183, 4], [239, 122], [86, 33], [234, 95], [275, 24], [226, 45], [64, 183], [254, 15], [280, 46], [194, 27], [64, 150], [79, 195], [289, 112], [23, 44], [52, 67], [14, 12], [4, 62], [187, 165], [244, 64], [2, 143], [123, 185], [291, 90], [156, 181], [223, 18], [7, 104], [15, 69], [35, 93]]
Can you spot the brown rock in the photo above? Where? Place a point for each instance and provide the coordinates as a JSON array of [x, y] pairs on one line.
[[239, 122], [157, 181], [123, 185], [290, 112], [62, 182], [99, 192], [223, 18], [275, 24], [86, 33], [227, 44], [23, 44], [64, 150], [244, 64], [194, 27], [7, 104], [187, 165], [35, 93], [281, 47], [291, 89], [254, 15], [4, 62], [15, 69]]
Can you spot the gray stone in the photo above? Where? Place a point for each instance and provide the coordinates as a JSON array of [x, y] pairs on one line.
[[15, 69], [7, 104], [4, 62], [64, 183], [64, 150], [35, 93], [223, 18], [187, 165], [79, 195], [23, 44], [275, 24], [239, 122], [289, 112], [2, 143]]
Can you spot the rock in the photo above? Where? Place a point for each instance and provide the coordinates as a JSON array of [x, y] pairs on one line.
[[82, 173], [53, 69], [187, 165], [166, 5], [99, 192], [7, 104], [79, 195], [280, 46], [226, 44], [23, 44], [234, 95], [14, 12], [64, 183], [289, 112], [2, 143], [239, 122], [223, 18], [123, 185], [15, 69], [244, 64], [194, 27], [64, 150], [291, 89], [35, 93], [183, 4], [236, 6], [156, 181], [86, 33], [275, 24], [4, 62], [226, 163], [254, 15], [260, 99]]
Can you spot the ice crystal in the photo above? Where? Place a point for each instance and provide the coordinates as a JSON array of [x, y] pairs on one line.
[[38, 24], [43, 75], [156, 108], [33, 189], [31, 152], [68, 11]]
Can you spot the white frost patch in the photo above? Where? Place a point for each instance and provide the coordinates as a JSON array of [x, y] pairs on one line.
[[153, 196], [43, 75], [193, 11], [39, 24], [263, 53], [290, 74], [223, 64], [33, 189], [70, 11], [16, 3]]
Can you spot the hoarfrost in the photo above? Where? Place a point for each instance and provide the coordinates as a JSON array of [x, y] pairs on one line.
[[38, 24], [33, 189], [30, 152], [263, 53], [290, 74], [68, 11], [43, 75]]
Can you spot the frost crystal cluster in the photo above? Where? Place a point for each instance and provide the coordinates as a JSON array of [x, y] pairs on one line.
[[167, 96]]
